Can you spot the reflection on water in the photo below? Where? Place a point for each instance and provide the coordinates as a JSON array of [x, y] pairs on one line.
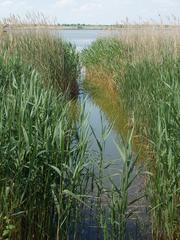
[[98, 102], [104, 109], [82, 38]]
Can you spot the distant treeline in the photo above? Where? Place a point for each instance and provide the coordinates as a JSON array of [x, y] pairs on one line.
[[91, 26], [88, 26]]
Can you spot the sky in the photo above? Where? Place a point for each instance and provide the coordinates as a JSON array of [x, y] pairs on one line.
[[94, 11]]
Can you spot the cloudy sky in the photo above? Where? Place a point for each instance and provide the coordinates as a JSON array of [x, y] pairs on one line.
[[93, 11]]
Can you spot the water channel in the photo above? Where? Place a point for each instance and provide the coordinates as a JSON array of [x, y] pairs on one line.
[[103, 109]]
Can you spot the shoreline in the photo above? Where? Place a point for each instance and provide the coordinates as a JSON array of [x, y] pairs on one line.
[[91, 27]]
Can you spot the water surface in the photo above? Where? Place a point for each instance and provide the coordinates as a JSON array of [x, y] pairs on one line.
[[82, 38], [103, 109], [97, 116]]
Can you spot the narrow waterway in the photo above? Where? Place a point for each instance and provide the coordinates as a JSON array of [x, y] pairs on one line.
[[101, 110], [104, 109]]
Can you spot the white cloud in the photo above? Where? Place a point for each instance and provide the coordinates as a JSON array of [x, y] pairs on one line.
[[88, 7], [6, 3], [93, 11], [64, 3]]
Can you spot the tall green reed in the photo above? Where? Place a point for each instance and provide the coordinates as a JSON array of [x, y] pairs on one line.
[[155, 100], [147, 78], [56, 61], [45, 167], [115, 207], [42, 156]]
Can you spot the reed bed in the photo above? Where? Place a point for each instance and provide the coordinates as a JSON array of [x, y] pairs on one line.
[[56, 61], [43, 167], [145, 67], [47, 172]]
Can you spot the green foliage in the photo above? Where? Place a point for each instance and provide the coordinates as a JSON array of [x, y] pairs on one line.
[[37, 136], [105, 53], [45, 164], [155, 100], [56, 61], [149, 86]]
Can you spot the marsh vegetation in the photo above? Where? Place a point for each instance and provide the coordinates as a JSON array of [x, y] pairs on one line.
[[144, 68], [47, 171], [52, 185]]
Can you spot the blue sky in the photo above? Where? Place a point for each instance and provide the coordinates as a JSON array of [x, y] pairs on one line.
[[93, 11]]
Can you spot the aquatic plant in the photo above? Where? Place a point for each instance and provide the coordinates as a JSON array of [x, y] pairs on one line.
[[144, 67], [42, 156], [55, 60], [46, 168]]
